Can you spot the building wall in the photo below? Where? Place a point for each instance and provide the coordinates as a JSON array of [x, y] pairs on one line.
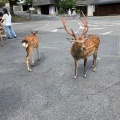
[[90, 10], [38, 9], [85, 6], [53, 10], [18, 8], [46, 7], [107, 9]]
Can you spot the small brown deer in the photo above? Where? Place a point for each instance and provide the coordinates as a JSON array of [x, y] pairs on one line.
[[2, 33], [83, 47], [29, 43]]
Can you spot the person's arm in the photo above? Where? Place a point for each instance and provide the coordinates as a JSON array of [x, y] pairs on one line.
[[0, 18], [3, 18]]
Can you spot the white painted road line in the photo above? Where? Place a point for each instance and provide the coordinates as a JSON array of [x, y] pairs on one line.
[[119, 48], [80, 27], [42, 26], [96, 28], [48, 47], [106, 33], [54, 30], [16, 23]]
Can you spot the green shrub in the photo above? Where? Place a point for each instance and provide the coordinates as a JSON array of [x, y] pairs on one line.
[[17, 18], [78, 11], [60, 11]]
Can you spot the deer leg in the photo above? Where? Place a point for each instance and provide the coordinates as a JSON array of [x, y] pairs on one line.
[[28, 66], [1, 40], [85, 62], [94, 61], [93, 65], [38, 53], [33, 63], [76, 67], [28, 60]]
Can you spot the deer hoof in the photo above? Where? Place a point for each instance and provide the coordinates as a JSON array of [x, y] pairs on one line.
[[38, 59], [30, 70], [85, 75], [33, 64], [75, 77], [92, 66], [94, 69]]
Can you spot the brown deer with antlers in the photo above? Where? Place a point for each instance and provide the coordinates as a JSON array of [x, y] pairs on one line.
[[29, 43], [83, 47]]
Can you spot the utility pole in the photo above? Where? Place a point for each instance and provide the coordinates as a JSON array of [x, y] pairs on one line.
[[29, 9]]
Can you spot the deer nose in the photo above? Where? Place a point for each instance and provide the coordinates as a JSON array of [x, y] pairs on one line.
[[84, 48]]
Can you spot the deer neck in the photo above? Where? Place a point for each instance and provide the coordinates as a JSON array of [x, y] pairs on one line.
[[79, 53], [76, 51]]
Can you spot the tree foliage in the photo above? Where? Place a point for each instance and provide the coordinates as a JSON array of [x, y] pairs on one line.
[[3, 1], [65, 4], [28, 2], [11, 3], [14, 2]]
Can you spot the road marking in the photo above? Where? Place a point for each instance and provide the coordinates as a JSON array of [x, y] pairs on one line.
[[110, 25], [119, 48], [54, 30], [42, 26], [96, 28], [16, 23], [106, 33], [48, 47], [80, 27], [93, 25]]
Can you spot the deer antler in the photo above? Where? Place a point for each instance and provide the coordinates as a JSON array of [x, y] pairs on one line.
[[85, 25], [64, 24]]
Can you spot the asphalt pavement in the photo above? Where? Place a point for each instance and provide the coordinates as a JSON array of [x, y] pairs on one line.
[[49, 92]]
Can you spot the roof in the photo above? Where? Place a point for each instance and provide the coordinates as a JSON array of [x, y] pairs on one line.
[[42, 2], [97, 2], [83, 2]]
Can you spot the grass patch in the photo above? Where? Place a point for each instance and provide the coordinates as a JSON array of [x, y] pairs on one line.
[[17, 18]]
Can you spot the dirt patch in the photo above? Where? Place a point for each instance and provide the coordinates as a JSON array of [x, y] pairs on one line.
[[19, 19]]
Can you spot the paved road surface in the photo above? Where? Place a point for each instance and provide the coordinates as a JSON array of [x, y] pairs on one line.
[[50, 92]]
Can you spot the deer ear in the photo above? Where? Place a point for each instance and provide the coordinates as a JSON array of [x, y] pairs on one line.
[[36, 32], [32, 32], [71, 40]]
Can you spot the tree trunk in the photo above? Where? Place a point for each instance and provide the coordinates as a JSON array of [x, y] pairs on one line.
[[11, 7]]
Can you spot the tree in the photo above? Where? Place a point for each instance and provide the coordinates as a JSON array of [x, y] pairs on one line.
[[11, 3], [65, 4], [14, 2], [56, 3], [2, 2], [28, 2]]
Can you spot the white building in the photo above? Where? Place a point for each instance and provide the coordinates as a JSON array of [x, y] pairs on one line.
[[86, 6], [45, 7]]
